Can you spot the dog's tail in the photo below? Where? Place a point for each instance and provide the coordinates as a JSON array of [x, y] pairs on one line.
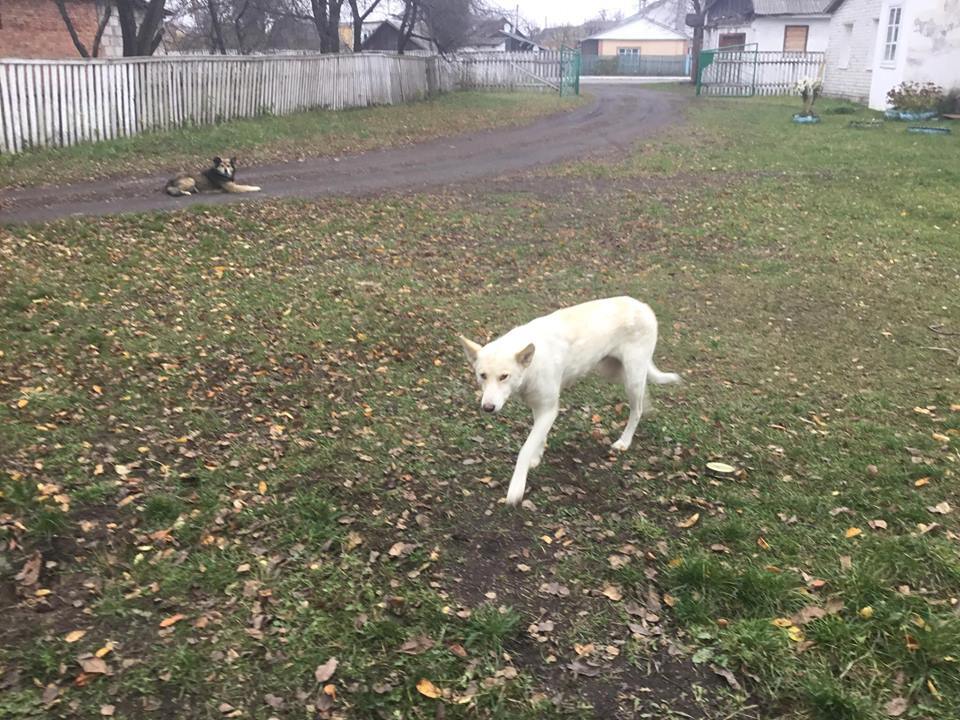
[[661, 378]]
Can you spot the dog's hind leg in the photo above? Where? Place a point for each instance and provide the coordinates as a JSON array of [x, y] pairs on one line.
[[532, 449], [635, 383]]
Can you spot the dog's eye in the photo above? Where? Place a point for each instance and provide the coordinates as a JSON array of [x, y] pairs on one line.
[[503, 377], [483, 376]]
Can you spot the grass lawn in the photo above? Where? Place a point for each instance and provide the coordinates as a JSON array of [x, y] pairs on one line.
[[270, 139], [244, 473]]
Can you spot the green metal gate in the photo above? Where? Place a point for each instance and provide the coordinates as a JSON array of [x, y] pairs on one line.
[[730, 71], [569, 71]]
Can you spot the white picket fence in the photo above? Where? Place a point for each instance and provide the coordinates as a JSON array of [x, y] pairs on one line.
[[748, 72], [55, 103]]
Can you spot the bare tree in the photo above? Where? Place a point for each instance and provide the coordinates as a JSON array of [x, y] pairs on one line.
[[411, 16], [141, 25], [216, 30], [698, 22], [358, 20], [71, 28], [326, 18]]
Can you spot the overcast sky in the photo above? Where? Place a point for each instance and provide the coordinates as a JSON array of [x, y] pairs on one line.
[[560, 12], [556, 12]]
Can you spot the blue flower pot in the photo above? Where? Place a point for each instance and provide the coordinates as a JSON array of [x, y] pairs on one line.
[[806, 119], [928, 130], [909, 115]]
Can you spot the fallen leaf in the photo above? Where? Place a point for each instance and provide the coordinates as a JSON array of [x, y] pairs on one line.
[[782, 622], [896, 707], [618, 561], [94, 666], [877, 524], [425, 687], [921, 482], [50, 693], [554, 588], [805, 615], [107, 710], [416, 645], [172, 620], [613, 592], [399, 549], [940, 508], [852, 532], [762, 543], [866, 612], [795, 634], [458, 650], [325, 672], [580, 668], [30, 572], [690, 521], [726, 675], [846, 562], [74, 635]]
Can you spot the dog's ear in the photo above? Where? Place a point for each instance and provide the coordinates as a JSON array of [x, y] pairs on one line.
[[217, 161], [526, 355], [233, 161], [470, 349]]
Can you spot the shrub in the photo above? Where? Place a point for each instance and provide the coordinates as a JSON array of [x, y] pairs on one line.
[[915, 97]]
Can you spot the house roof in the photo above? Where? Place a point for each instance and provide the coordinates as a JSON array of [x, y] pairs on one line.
[[639, 28], [790, 7]]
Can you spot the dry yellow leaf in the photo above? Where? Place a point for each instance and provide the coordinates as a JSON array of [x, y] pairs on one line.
[[105, 649], [852, 532], [74, 635], [795, 634], [425, 687], [172, 620], [940, 437], [782, 622], [613, 592], [921, 482], [689, 522], [762, 543], [22, 402], [866, 612], [262, 487]]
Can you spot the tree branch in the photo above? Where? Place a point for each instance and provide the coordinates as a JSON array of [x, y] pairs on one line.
[[107, 12], [81, 48]]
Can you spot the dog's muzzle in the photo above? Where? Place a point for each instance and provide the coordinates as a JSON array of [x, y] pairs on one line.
[[489, 407]]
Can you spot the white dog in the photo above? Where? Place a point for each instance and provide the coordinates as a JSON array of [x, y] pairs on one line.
[[615, 336]]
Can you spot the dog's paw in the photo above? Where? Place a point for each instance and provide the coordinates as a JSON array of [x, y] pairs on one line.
[[620, 445], [514, 497], [254, 188]]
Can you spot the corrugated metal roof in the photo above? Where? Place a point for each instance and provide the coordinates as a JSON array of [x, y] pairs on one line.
[[639, 28], [790, 7]]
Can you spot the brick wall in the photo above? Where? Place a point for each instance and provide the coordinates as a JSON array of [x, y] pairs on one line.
[[853, 39], [34, 28]]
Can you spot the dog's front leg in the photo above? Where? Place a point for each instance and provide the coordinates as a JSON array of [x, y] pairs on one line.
[[543, 418]]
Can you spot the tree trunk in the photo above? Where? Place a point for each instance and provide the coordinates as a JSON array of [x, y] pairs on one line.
[[145, 38], [77, 43], [107, 12], [697, 40], [217, 32], [411, 10], [358, 20]]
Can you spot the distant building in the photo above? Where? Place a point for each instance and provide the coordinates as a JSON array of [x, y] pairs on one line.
[[34, 29]]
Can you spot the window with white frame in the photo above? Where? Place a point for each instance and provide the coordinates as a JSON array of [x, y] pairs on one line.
[[846, 44], [630, 52], [893, 35]]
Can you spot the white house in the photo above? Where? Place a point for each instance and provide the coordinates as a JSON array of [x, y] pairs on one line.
[[877, 44], [778, 25]]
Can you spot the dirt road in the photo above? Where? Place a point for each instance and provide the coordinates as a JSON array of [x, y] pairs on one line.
[[616, 116]]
